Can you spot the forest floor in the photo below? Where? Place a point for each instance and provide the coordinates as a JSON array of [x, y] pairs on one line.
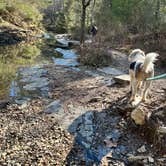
[[81, 122]]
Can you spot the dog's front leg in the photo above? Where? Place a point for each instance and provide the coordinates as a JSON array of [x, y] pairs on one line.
[[134, 89], [139, 84]]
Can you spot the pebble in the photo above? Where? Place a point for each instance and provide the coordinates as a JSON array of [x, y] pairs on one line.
[[151, 160], [142, 149]]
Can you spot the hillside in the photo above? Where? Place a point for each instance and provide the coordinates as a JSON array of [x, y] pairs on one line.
[[19, 21]]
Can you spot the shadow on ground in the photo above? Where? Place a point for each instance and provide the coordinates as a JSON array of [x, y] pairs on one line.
[[109, 137], [102, 137]]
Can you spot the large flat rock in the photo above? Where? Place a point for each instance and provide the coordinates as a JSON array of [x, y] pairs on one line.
[[124, 78], [67, 54], [67, 43], [63, 42], [31, 71], [65, 62], [38, 83], [111, 71], [31, 82], [54, 107]]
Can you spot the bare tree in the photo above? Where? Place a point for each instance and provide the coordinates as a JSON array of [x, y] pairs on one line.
[[85, 4]]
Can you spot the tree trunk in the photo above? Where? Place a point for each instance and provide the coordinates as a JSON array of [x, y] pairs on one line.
[[85, 4], [82, 38]]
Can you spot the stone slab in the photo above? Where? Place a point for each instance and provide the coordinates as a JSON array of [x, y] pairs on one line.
[[124, 78], [111, 71]]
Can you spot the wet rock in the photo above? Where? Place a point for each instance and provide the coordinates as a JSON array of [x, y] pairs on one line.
[[71, 119], [88, 41], [138, 116], [75, 69], [103, 152], [35, 70], [135, 158], [33, 82], [65, 62], [86, 145], [22, 101], [122, 79], [107, 81], [86, 129], [88, 118], [32, 78], [63, 36], [72, 128], [92, 73], [83, 128], [69, 58], [53, 107], [14, 89], [67, 54], [111, 71], [46, 36], [151, 160], [44, 91], [37, 83], [67, 43], [114, 135], [121, 149], [4, 103], [142, 149], [62, 42], [109, 143]]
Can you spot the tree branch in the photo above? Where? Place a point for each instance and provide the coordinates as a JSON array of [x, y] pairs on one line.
[[88, 3]]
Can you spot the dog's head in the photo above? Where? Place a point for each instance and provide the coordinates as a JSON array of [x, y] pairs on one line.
[[136, 55]]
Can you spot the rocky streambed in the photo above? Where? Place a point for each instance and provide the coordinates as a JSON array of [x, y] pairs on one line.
[[67, 114]]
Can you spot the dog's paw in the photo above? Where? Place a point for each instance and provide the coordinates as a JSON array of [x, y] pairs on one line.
[[144, 99], [136, 102], [132, 98]]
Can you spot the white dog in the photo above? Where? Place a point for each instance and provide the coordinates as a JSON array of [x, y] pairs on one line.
[[141, 68]]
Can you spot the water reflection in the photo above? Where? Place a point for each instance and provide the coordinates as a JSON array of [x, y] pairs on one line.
[[12, 57]]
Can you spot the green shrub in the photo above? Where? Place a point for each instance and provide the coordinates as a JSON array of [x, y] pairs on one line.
[[94, 56], [61, 26], [2, 4], [20, 10], [29, 11]]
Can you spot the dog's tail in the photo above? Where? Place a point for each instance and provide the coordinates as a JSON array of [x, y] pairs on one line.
[[150, 58]]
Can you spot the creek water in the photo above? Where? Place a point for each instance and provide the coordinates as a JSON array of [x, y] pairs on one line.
[[14, 57], [10, 58]]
